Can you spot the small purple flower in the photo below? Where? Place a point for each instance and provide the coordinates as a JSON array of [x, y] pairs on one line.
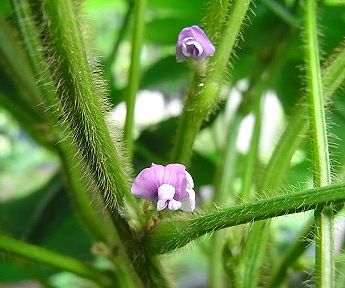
[[171, 186], [193, 43]]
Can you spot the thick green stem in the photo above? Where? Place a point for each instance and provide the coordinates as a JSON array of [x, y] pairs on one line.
[[203, 97], [134, 71], [81, 100], [65, 147], [53, 259], [175, 233], [325, 266], [82, 103]]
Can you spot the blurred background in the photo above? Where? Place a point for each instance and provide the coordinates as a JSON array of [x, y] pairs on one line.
[[34, 203]]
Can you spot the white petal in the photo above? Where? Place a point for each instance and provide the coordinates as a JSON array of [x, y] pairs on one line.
[[184, 50], [188, 204], [190, 182], [174, 205], [161, 204], [166, 192]]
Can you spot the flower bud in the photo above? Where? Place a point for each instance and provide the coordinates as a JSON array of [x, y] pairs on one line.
[[193, 43]]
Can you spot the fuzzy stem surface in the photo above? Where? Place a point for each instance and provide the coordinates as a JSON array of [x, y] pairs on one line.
[[324, 263], [175, 233]]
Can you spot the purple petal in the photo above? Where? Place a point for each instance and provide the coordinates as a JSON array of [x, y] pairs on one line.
[[175, 175], [147, 182], [192, 42]]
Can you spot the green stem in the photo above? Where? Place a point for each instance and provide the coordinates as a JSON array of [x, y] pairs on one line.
[[53, 259], [223, 194], [82, 105], [215, 10], [278, 165], [175, 233], [64, 147], [134, 70], [282, 12], [203, 96], [293, 253], [120, 34], [321, 167], [251, 157]]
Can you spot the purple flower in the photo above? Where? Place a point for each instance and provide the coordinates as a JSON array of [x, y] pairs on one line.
[[171, 186], [193, 43]]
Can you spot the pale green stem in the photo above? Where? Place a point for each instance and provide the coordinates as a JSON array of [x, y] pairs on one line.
[[174, 233], [282, 12], [223, 194], [203, 97], [324, 265], [290, 257], [120, 34], [251, 157], [278, 165], [134, 70], [215, 17], [53, 259]]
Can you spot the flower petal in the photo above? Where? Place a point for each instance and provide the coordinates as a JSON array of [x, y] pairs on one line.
[[161, 204], [200, 36], [174, 205], [190, 182], [166, 192], [147, 182], [188, 204], [175, 175], [192, 42]]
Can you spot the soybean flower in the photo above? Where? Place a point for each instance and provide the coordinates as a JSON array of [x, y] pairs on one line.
[[170, 186], [193, 43]]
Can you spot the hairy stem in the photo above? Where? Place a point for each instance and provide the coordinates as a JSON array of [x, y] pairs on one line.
[[81, 100], [134, 70], [175, 233], [53, 259], [65, 147], [203, 97], [298, 125], [223, 194], [321, 167]]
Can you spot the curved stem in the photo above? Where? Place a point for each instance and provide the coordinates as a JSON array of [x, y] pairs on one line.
[[53, 259], [321, 167], [134, 70]]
